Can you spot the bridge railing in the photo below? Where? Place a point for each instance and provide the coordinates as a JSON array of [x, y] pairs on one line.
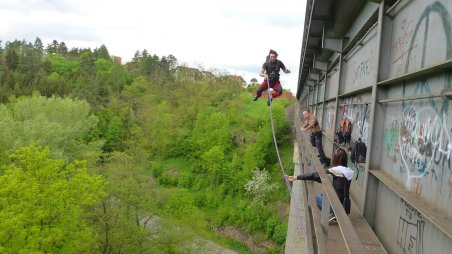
[[320, 220]]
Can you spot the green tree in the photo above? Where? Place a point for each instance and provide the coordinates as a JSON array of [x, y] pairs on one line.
[[12, 58], [114, 135], [39, 47], [63, 66], [54, 122], [62, 49], [214, 163], [122, 218], [211, 129], [102, 53], [52, 48], [43, 204]]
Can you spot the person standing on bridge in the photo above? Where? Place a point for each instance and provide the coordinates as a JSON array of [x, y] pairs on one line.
[[342, 178], [311, 123], [270, 72]]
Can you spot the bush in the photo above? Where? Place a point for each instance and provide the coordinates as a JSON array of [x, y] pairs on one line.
[[279, 235], [270, 225], [200, 200]]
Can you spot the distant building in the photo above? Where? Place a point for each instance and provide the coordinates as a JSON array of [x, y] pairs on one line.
[[116, 59], [253, 82]]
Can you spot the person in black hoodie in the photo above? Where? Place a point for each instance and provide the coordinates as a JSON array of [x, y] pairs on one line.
[[342, 178]]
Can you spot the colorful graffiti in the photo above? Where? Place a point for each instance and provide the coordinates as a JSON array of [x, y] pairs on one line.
[[410, 235], [355, 110], [417, 139], [418, 142]]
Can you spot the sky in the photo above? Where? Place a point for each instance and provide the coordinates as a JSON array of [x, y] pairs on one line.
[[233, 36]]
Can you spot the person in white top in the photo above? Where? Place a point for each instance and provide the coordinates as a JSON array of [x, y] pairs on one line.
[[342, 178]]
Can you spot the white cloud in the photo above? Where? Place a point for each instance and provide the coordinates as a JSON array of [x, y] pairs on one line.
[[233, 35]]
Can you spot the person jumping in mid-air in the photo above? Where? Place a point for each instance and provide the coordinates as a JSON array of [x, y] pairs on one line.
[[270, 71]]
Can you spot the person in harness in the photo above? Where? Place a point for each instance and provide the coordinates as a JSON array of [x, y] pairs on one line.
[[344, 133], [270, 72]]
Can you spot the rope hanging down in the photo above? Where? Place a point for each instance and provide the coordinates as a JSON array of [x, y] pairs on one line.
[[289, 188]]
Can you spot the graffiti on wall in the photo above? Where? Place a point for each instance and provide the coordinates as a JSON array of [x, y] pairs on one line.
[[363, 67], [409, 47], [330, 118], [410, 234], [401, 46], [354, 109], [418, 139]]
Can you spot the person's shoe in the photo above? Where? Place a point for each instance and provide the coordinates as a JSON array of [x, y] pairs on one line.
[[269, 101], [332, 218], [256, 97]]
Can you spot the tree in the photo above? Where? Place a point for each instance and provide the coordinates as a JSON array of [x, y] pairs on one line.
[[259, 187], [211, 129], [39, 47], [54, 122], [62, 49], [114, 135], [43, 202], [12, 58], [214, 163], [87, 64], [121, 218], [102, 53], [63, 66], [52, 48]]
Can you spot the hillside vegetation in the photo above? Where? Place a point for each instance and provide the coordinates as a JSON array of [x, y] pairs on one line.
[[146, 157]]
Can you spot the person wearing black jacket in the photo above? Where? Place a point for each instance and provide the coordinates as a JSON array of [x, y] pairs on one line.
[[342, 178]]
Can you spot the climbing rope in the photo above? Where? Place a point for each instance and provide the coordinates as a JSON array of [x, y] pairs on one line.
[[289, 188]]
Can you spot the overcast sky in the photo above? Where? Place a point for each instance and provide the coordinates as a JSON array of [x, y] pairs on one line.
[[231, 35]]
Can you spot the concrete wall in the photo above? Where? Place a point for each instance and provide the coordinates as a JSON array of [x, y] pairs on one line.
[[388, 85]]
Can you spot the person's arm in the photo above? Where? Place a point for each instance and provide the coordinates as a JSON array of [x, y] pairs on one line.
[[303, 128], [283, 67], [331, 171], [309, 125], [262, 73], [291, 178]]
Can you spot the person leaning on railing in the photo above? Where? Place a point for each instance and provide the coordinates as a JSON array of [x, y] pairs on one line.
[[311, 123], [342, 178]]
